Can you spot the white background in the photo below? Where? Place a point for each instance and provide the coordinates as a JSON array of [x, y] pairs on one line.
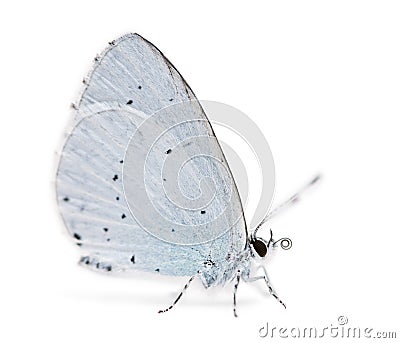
[[320, 78]]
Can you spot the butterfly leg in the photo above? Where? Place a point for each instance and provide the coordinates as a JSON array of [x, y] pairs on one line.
[[268, 283], [235, 287], [180, 294]]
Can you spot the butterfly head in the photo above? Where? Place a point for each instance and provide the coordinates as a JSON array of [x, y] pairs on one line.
[[260, 248]]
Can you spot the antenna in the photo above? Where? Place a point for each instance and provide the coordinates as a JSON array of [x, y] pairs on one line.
[[293, 199]]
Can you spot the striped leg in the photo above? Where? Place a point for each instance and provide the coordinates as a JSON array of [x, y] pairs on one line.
[[270, 289], [235, 291], [179, 296]]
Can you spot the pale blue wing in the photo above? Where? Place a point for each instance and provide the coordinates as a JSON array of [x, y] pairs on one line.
[[132, 71], [117, 167]]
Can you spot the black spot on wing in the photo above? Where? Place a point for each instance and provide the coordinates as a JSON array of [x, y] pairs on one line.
[[115, 178], [78, 237], [85, 260], [96, 263]]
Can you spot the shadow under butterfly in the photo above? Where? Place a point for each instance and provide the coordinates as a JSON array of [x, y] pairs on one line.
[[142, 182]]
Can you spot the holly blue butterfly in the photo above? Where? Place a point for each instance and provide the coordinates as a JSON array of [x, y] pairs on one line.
[[142, 182]]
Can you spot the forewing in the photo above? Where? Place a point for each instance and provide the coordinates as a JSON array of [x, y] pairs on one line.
[[132, 71], [117, 187]]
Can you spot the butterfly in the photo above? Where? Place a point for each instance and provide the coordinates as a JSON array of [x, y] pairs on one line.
[[142, 182]]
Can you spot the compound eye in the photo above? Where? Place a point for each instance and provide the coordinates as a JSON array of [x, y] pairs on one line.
[[260, 247]]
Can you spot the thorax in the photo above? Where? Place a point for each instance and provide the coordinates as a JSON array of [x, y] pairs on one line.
[[223, 272]]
